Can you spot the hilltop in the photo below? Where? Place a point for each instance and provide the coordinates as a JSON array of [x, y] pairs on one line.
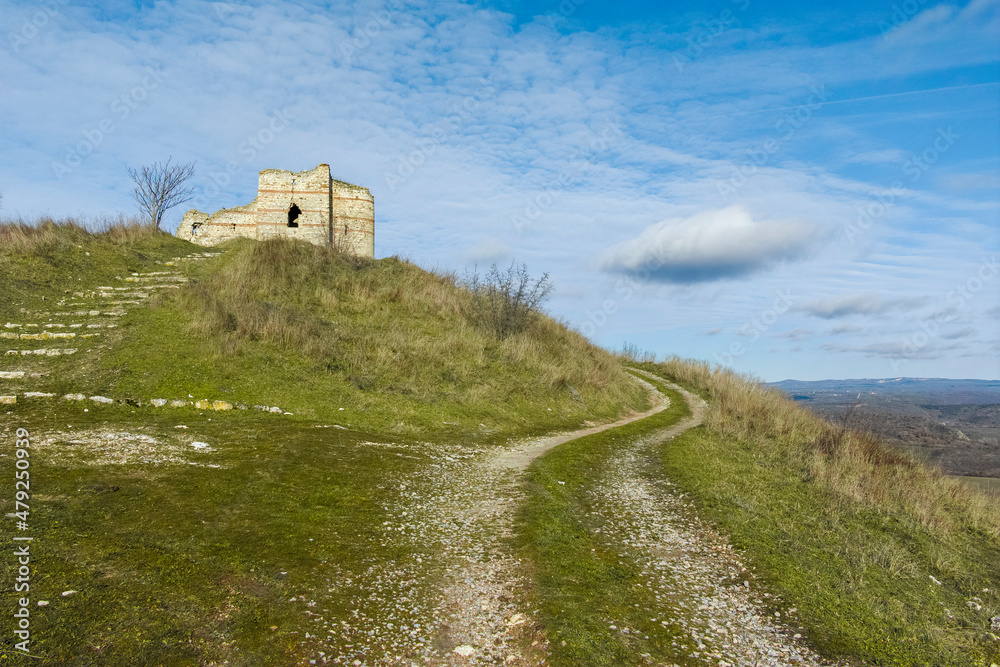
[[375, 344], [275, 454]]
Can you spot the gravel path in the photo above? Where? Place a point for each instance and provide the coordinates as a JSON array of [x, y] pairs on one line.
[[696, 576], [455, 594]]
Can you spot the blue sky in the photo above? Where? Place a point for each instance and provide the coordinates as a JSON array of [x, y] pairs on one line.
[[796, 191]]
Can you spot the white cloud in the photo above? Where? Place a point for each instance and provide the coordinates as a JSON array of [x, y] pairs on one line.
[[887, 155], [490, 251], [713, 245], [798, 334], [866, 303]]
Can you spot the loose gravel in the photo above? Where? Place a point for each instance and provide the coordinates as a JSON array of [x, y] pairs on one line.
[[455, 595]]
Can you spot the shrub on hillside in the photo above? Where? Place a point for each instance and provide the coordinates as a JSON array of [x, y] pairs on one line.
[[504, 301]]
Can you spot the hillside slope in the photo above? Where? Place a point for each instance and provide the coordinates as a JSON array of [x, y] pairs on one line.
[[198, 534], [885, 559], [374, 344]]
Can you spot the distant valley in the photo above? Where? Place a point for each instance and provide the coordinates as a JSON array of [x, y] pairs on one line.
[[954, 424]]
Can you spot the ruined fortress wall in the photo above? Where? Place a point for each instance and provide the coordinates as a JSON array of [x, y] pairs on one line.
[[353, 218], [307, 205], [209, 230], [309, 191]]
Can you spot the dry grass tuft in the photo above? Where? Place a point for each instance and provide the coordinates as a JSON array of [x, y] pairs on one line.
[[854, 467], [390, 327], [47, 235]]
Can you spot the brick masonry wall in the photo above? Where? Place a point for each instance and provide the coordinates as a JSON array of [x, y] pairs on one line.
[[353, 213], [329, 212]]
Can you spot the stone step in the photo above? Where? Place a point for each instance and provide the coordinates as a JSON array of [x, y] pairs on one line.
[[86, 313], [56, 325], [46, 335], [147, 279], [202, 404], [18, 375]]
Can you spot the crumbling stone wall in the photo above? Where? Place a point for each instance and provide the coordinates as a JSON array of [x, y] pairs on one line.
[[307, 205]]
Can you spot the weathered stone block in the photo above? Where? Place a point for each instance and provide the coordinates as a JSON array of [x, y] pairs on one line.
[[8, 400], [221, 405]]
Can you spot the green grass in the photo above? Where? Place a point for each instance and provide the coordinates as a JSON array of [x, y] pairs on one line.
[[581, 584], [313, 331], [181, 564], [842, 528]]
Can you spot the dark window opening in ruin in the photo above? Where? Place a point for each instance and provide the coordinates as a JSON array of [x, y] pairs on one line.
[[293, 214], [194, 229]]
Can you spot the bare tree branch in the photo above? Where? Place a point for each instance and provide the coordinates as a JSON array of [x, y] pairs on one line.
[[504, 301], [160, 187]]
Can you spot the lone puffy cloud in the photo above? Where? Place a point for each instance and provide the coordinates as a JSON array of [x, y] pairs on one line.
[[714, 245]]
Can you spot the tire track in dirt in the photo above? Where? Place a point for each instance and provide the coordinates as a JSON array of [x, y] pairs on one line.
[[697, 578]]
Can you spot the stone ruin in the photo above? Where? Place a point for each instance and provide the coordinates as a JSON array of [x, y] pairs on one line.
[[307, 205]]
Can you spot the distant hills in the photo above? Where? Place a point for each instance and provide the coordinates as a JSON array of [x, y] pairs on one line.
[[932, 390], [951, 423]]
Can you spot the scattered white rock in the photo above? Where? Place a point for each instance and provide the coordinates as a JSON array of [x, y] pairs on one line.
[[465, 650]]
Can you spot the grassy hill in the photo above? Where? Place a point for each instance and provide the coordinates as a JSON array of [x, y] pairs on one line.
[[876, 558], [192, 535], [375, 344], [200, 534]]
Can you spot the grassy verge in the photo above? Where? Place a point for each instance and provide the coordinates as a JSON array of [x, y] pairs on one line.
[[581, 584], [887, 560], [44, 263], [180, 564]]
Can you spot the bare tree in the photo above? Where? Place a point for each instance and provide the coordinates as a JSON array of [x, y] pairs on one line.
[[503, 301], [160, 187]]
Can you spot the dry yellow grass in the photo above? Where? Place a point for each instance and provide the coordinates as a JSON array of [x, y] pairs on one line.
[[855, 467], [47, 235]]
